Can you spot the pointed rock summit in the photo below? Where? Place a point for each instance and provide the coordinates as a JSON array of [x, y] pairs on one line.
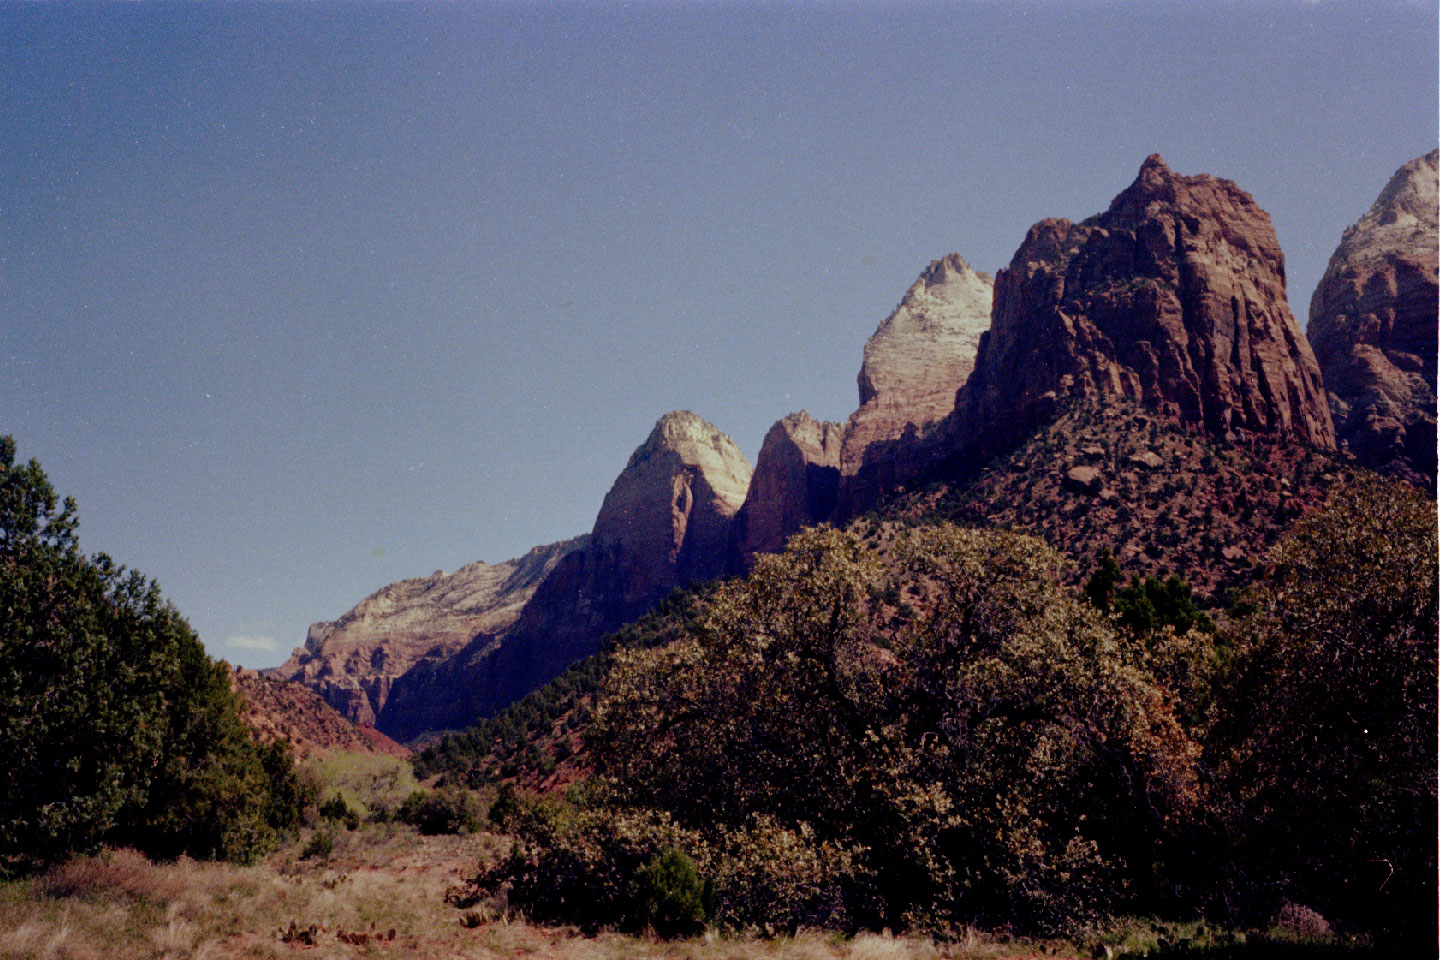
[[1373, 322], [914, 363], [795, 484], [666, 520], [665, 523], [1174, 296], [920, 355]]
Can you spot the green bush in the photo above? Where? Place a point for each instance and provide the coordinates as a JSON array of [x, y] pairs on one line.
[[1003, 756], [446, 810], [320, 845], [772, 878], [669, 894], [337, 809], [115, 726], [595, 867]]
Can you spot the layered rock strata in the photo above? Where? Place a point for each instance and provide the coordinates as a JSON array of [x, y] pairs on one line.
[[795, 484], [1373, 321], [355, 661], [665, 523]]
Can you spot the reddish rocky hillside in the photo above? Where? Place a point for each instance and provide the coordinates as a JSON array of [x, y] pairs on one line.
[[1161, 497], [276, 710]]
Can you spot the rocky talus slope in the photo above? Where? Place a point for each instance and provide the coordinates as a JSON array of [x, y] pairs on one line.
[[277, 710], [1162, 497], [355, 661], [796, 481], [1373, 321]]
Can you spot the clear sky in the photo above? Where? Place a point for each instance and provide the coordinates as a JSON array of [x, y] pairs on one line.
[[299, 300]]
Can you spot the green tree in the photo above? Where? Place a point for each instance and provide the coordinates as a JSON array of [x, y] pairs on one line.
[[114, 724], [994, 746], [1328, 742]]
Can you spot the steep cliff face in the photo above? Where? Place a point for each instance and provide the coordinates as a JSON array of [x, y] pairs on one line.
[[795, 484], [1373, 322], [665, 523], [1174, 296], [666, 520], [354, 662], [914, 363]]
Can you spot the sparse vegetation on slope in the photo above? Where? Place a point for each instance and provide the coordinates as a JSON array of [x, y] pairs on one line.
[[536, 739], [1117, 476]]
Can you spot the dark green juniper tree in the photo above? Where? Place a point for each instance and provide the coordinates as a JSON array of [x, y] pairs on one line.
[[114, 724]]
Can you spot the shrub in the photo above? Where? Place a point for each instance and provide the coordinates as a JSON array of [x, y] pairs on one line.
[[320, 845], [337, 809], [780, 880], [446, 810], [669, 894], [589, 866]]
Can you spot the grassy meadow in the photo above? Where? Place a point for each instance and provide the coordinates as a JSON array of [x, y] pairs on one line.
[[385, 889]]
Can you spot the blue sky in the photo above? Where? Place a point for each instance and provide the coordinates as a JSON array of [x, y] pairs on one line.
[[298, 300]]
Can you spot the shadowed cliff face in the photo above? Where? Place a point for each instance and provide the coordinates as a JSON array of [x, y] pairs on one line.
[[665, 523], [1373, 321], [355, 661], [796, 481]]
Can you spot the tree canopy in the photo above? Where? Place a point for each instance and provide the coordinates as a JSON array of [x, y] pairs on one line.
[[986, 745], [114, 724]]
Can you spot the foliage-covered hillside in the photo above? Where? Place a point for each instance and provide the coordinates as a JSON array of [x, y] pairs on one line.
[[930, 727], [1118, 477]]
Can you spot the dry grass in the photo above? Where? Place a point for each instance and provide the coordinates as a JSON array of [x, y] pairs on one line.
[[120, 906]]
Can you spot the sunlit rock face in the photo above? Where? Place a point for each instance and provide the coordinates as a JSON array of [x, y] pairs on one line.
[[354, 661], [914, 363], [1174, 296], [1373, 322], [795, 485]]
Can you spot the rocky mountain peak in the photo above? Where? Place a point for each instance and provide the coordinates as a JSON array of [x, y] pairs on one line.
[[795, 484], [691, 438], [929, 340], [1373, 321], [1174, 296], [678, 491], [916, 360]]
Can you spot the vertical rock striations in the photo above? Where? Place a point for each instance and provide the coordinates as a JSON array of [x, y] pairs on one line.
[[795, 484], [1174, 296], [665, 523], [1373, 322], [914, 363]]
